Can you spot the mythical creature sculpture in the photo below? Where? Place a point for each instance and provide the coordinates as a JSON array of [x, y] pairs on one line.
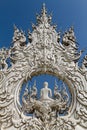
[[47, 52], [34, 91], [57, 94]]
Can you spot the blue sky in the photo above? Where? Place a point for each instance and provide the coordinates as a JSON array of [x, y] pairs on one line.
[[23, 12]]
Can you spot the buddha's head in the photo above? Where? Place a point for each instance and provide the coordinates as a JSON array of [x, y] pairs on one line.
[[45, 84]]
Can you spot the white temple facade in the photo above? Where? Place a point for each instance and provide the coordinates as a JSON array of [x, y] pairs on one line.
[[46, 52]]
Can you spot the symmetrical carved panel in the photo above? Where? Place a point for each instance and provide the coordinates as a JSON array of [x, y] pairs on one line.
[[47, 52]]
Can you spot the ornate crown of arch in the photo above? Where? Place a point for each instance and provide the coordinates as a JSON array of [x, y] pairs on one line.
[[47, 52]]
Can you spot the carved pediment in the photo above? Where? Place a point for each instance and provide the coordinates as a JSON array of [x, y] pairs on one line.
[[46, 52]]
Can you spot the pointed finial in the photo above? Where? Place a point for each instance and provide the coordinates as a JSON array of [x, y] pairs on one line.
[[44, 9], [71, 29], [34, 82], [55, 82], [15, 28], [56, 85], [30, 89], [27, 86], [64, 87], [44, 6], [44, 18]]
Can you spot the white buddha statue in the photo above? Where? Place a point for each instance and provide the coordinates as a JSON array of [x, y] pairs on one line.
[[46, 92]]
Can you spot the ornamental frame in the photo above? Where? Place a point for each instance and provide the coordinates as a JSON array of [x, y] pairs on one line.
[[47, 52]]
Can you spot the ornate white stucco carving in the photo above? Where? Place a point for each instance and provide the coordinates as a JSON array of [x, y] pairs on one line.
[[46, 52]]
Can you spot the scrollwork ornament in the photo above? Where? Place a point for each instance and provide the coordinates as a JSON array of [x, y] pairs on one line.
[[45, 53]]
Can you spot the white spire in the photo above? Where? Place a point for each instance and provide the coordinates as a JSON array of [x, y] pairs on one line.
[[43, 18], [44, 12]]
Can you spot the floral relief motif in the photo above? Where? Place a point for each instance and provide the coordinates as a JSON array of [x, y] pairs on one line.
[[45, 53]]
